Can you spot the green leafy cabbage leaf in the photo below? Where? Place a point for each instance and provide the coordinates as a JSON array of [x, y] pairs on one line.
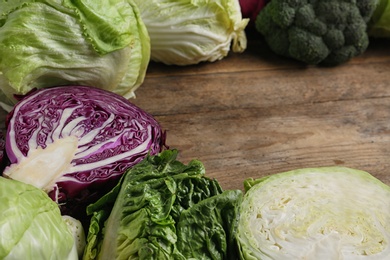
[[164, 209], [45, 43], [31, 225], [315, 213], [187, 32]]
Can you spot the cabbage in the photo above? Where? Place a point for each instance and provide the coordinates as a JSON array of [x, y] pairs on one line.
[[3, 159], [75, 142], [164, 209], [191, 31], [315, 213], [63, 42], [76, 228], [31, 225], [379, 26]]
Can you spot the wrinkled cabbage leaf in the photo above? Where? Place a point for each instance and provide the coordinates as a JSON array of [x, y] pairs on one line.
[[45, 43], [164, 209], [187, 32], [315, 213], [31, 225]]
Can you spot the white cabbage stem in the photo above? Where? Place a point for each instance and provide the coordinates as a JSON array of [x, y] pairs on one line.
[[42, 168]]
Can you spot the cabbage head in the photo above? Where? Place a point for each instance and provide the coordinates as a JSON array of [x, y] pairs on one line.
[[47, 43], [31, 225], [315, 213], [187, 32]]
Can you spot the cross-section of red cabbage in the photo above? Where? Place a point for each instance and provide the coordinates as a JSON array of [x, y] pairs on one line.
[[75, 142]]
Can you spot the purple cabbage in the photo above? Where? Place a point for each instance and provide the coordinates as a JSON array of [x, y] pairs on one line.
[[101, 133], [3, 157]]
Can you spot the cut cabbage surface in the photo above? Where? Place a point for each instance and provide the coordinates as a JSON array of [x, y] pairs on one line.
[[315, 213]]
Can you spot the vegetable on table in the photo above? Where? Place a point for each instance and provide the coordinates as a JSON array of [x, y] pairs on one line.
[[251, 8], [47, 43], [192, 31], [3, 157], [164, 209], [327, 32], [31, 225], [379, 25], [75, 142], [76, 228], [315, 213]]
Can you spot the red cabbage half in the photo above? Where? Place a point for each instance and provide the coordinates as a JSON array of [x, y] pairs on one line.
[[75, 142]]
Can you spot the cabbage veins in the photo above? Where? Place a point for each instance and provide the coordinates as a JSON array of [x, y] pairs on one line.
[[324, 213], [47, 43], [75, 142], [187, 32], [31, 225]]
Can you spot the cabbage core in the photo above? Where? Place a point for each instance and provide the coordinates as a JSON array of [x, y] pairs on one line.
[[326, 213], [75, 142]]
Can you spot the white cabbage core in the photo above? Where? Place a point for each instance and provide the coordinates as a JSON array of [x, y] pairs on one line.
[[317, 215], [43, 167]]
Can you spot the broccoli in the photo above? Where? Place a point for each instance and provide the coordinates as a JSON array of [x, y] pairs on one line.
[[327, 32]]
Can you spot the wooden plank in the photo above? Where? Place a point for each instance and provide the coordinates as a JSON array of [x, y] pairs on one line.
[[185, 90], [255, 114], [243, 143]]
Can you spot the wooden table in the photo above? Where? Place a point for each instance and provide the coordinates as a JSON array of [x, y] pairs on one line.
[[255, 114]]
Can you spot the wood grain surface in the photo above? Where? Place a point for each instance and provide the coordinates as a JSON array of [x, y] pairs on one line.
[[254, 114]]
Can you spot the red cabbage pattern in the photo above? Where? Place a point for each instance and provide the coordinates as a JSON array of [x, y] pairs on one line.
[[113, 134]]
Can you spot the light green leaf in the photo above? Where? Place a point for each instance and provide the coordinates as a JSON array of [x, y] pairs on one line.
[[187, 32], [45, 43], [31, 225]]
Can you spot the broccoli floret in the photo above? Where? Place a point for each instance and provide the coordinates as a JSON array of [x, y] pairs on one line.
[[326, 32]]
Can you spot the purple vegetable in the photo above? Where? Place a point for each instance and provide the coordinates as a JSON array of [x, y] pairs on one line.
[[3, 158], [75, 142]]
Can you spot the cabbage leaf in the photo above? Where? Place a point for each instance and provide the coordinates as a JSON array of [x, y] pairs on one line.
[[164, 209], [45, 43], [187, 32], [31, 225]]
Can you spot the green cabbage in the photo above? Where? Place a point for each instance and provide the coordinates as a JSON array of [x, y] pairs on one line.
[[164, 209], [187, 32], [65, 42], [31, 225], [315, 213], [379, 26]]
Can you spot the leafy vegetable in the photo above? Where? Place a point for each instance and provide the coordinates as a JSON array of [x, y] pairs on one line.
[[326, 32], [191, 31], [76, 228], [3, 157], [251, 8], [75, 142], [63, 42], [164, 209], [379, 26], [315, 213], [31, 225]]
